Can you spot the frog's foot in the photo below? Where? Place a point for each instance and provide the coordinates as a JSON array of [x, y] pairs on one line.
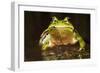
[[81, 49]]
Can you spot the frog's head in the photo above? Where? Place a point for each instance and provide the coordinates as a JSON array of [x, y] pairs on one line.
[[61, 23]]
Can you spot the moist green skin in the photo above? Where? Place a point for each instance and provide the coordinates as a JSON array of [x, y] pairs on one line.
[[57, 31]]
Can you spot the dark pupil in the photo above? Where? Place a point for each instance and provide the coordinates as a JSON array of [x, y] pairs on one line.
[[55, 20], [65, 21]]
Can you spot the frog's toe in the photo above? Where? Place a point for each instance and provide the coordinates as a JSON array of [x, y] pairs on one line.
[[80, 49]]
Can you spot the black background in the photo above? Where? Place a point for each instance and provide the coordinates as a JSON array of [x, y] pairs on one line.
[[37, 22]]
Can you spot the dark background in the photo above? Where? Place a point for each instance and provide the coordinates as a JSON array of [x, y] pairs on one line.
[[37, 22]]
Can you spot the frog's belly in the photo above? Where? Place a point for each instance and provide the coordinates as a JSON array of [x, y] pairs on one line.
[[62, 37], [63, 40]]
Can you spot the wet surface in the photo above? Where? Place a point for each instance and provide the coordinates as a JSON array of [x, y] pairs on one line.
[[63, 52]]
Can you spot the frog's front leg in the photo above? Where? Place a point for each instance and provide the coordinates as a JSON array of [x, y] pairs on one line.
[[81, 41]]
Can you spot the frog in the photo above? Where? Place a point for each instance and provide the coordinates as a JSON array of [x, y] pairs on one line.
[[60, 32]]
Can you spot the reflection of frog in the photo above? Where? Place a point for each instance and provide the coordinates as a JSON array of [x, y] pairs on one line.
[[60, 32]]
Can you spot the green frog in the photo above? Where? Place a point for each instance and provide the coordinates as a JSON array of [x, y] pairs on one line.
[[60, 32]]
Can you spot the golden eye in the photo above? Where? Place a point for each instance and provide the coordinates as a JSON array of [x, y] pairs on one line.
[[66, 19], [54, 19]]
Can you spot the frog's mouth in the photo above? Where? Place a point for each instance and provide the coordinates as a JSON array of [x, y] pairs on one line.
[[69, 27], [65, 27]]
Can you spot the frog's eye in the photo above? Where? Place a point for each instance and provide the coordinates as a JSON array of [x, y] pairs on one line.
[[66, 19], [54, 19]]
